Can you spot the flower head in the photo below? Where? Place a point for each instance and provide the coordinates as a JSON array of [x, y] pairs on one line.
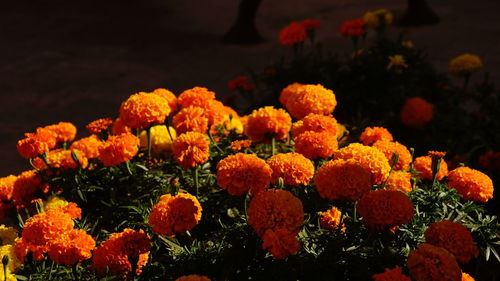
[[353, 28], [397, 63], [316, 144], [63, 131], [267, 122], [378, 18], [280, 243], [416, 112], [465, 64], [8, 235], [7, 187], [89, 146], [36, 143], [167, 95], [293, 168], [119, 127], [389, 148], [25, 187], [239, 145], [71, 247], [471, 184], [467, 277], [394, 274], [431, 263], [99, 125], [373, 134], [63, 160], [399, 180], [197, 96], [191, 149], [118, 149], [331, 219], [317, 123], [191, 119], [175, 214], [311, 99], [144, 109], [193, 278], [161, 139], [292, 34], [289, 91], [423, 165]]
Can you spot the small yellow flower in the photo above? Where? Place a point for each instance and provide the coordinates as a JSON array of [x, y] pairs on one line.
[[397, 62], [378, 18], [161, 141], [54, 202]]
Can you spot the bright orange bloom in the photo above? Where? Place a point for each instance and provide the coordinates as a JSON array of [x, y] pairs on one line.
[[289, 91], [197, 96], [373, 134], [169, 96], [423, 165], [118, 149], [467, 277], [89, 146], [317, 123], [191, 149], [399, 180], [190, 119], [394, 274], [280, 243], [342, 180], [36, 143], [490, 160], [382, 209], [331, 219], [25, 187], [311, 99], [416, 112], [274, 209], [142, 109], [436, 154], [453, 237], [215, 112], [316, 145], [293, 168], [243, 172], [311, 24], [267, 122], [370, 158], [241, 83], [175, 214], [353, 28], [72, 247], [431, 263], [193, 278], [292, 34], [7, 187], [471, 184], [389, 148], [64, 131], [119, 127], [99, 125], [239, 145], [62, 159]]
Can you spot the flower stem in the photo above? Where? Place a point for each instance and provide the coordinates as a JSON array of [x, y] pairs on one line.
[[273, 146], [150, 141], [196, 180], [213, 141]]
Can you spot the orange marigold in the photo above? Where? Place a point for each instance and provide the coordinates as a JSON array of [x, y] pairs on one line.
[[72, 247], [389, 148], [436, 154], [453, 237], [25, 187], [142, 109], [471, 184], [423, 165], [280, 243], [197, 96], [416, 112], [191, 149], [394, 274], [317, 123], [243, 172], [382, 209], [89, 146], [316, 144], [190, 119], [64, 131], [331, 219], [119, 127], [293, 168], [7, 187], [311, 99], [369, 158], [241, 83], [267, 122], [292, 34], [373, 134], [118, 149], [239, 145], [175, 214], [99, 125], [36, 143], [62, 159], [274, 209], [289, 91], [342, 179], [399, 180], [193, 278], [467, 277], [169, 96], [431, 263]]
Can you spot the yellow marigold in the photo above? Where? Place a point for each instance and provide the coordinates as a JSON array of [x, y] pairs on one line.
[[175, 214], [191, 149], [243, 172], [289, 91], [169, 96], [280, 243], [118, 149], [25, 186], [423, 165], [292, 34], [193, 278], [231, 122], [36, 143], [408, 44], [119, 127], [431, 263], [64, 131], [143, 109], [293, 168], [239, 145], [89, 146], [316, 144], [197, 96], [12, 267], [161, 139], [54, 202], [467, 277], [397, 62], [370, 158], [311, 99], [471, 184], [190, 119], [72, 247], [399, 180], [373, 134], [274, 209], [267, 122], [389, 148], [454, 237], [8, 235], [416, 112], [331, 219], [7, 187], [62, 159], [342, 179], [317, 123], [382, 209], [378, 18], [465, 64], [99, 125], [394, 274]]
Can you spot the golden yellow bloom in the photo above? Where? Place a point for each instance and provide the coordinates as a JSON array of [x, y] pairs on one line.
[[465, 64], [408, 44], [397, 62], [14, 264], [8, 235], [161, 139], [54, 202], [378, 18]]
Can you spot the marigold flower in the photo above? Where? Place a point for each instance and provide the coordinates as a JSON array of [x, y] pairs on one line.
[[191, 119], [13, 266], [280, 243], [373, 134], [7, 187], [436, 154], [243, 172], [397, 62], [191, 149], [453, 237], [70, 208], [169, 96], [394, 274], [293, 168], [161, 139], [193, 278], [63, 160], [416, 112], [399, 180], [215, 112], [142, 109], [197, 96], [378, 18], [175, 214], [64, 131], [382, 209], [241, 83], [311, 99], [239, 145], [408, 44], [99, 125], [353, 28], [431, 263], [275, 209], [232, 121], [490, 160], [118, 149], [36, 143], [311, 24], [423, 165], [467, 277], [89, 146], [292, 34], [8, 235], [72, 247], [288, 91], [331, 219], [389, 148], [316, 123], [471, 184], [267, 122], [316, 144], [119, 127], [25, 187], [465, 64]]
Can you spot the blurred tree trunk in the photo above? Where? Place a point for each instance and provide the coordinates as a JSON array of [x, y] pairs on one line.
[[418, 12], [244, 30]]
